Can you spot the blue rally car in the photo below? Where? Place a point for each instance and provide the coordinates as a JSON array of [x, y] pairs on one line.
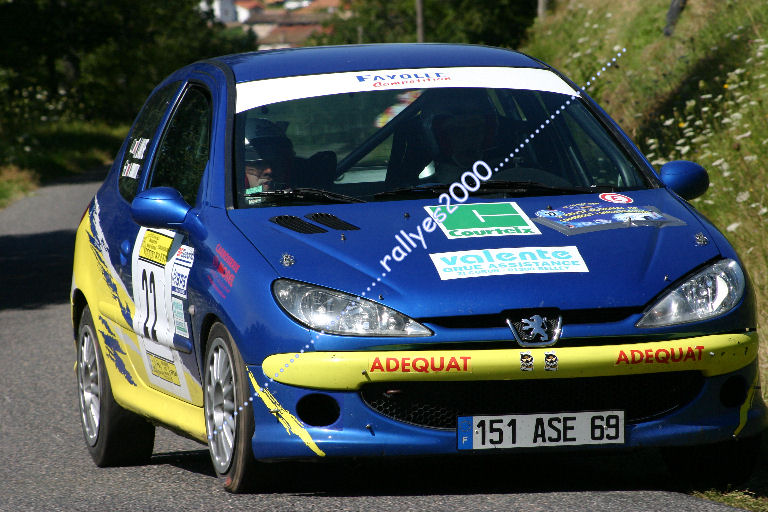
[[405, 250]]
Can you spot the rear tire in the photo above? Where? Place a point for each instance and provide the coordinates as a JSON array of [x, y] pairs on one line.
[[714, 465], [113, 435], [228, 423]]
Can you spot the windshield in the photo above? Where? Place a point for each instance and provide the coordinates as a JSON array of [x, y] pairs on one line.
[[392, 144]]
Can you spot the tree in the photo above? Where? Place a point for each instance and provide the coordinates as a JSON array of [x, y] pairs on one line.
[[675, 9], [104, 55], [492, 22], [541, 9]]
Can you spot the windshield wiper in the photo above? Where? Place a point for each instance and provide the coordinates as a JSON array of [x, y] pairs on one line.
[[308, 193], [428, 189], [523, 187], [498, 187]]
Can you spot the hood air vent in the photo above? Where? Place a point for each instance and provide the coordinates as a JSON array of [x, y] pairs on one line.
[[332, 221], [297, 224]]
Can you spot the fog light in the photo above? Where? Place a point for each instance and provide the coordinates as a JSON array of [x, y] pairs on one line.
[[734, 391], [318, 410]]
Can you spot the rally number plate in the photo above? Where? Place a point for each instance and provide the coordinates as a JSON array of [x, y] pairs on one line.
[[535, 430]]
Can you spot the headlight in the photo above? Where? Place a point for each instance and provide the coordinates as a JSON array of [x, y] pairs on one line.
[[709, 293], [337, 312]]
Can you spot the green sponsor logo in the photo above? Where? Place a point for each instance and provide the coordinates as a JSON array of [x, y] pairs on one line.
[[484, 219]]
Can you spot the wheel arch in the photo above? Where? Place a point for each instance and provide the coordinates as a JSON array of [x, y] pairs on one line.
[[79, 303], [205, 329]]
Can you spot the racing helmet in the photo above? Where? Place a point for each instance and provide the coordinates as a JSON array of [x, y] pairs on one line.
[[268, 147]]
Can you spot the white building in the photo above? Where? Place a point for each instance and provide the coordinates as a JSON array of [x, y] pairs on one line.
[[229, 11]]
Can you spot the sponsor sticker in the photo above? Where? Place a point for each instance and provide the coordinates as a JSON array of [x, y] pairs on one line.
[[416, 78], [510, 260], [155, 247], [669, 355], [586, 217], [526, 361], [264, 92], [549, 213], [226, 258], [550, 361], [225, 269], [185, 255], [484, 219], [179, 277], [613, 197], [164, 369], [130, 170], [138, 147], [178, 318], [427, 364]]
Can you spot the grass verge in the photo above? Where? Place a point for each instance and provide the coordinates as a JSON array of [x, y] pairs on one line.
[[698, 95], [14, 183], [54, 150]]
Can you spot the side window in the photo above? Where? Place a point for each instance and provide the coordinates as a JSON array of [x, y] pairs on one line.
[[183, 153], [143, 130]]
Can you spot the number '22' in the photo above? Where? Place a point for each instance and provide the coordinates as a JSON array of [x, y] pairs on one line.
[[149, 288]]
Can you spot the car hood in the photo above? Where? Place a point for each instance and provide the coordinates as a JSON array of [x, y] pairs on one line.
[[570, 252]]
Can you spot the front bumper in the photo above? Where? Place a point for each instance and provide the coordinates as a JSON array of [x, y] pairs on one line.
[[285, 379]]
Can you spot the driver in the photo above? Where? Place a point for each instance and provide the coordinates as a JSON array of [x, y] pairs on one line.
[[269, 156], [258, 174]]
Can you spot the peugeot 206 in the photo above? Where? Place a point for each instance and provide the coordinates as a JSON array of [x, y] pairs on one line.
[[395, 250]]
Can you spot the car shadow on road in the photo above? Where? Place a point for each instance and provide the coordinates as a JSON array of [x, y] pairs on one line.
[[36, 269], [194, 461], [483, 474], [472, 474]]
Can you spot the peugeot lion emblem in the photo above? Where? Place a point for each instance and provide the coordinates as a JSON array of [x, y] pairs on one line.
[[537, 330]]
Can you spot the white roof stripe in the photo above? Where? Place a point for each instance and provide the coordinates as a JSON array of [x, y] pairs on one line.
[[264, 92]]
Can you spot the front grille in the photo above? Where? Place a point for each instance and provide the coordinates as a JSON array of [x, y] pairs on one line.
[[570, 316], [438, 404]]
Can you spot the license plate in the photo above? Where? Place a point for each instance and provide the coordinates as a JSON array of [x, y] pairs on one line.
[[535, 430]]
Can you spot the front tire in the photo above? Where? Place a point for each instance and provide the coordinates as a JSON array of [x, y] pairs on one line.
[[228, 424], [114, 436]]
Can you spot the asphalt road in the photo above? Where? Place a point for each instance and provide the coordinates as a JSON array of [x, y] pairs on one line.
[[44, 464]]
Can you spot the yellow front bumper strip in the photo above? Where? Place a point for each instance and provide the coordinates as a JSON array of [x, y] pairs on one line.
[[344, 371]]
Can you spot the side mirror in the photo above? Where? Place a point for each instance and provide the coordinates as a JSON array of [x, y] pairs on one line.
[[688, 179], [163, 207]]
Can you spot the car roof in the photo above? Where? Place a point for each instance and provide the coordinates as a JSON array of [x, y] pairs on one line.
[[370, 57]]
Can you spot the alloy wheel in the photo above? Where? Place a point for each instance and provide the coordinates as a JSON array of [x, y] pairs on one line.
[[220, 407], [88, 384]]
